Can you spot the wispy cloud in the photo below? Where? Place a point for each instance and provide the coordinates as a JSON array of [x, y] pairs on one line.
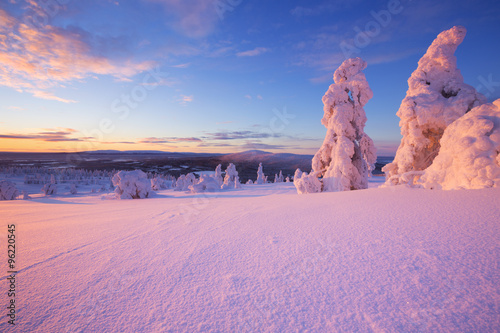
[[253, 53], [49, 135], [37, 60], [193, 18], [183, 99], [165, 140], [239, 135]]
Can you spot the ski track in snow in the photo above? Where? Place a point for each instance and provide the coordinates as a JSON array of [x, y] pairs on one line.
[[260, 259]]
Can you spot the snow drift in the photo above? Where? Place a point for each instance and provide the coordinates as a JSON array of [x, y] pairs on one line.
[[132, 185], [469, 157], [437, 96]]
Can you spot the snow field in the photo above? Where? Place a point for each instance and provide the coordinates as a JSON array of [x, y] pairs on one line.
[[259, 259]]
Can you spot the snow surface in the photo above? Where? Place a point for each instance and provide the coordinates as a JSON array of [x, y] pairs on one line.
[[436, 97], [259, 259]]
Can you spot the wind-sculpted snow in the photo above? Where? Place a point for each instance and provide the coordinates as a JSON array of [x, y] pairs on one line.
[[347, 154], [437, 96], [132, 185], [469, 157]]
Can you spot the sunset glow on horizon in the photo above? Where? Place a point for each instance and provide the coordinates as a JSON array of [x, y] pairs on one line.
[[216, 75]]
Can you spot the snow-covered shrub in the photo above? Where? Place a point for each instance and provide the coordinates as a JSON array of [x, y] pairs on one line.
[[230, 177], [347, 154], [249, 182], [469, 157], [132, 185], [307, 183], [49, 189], [437, 96], [8, 190], [205, 184]]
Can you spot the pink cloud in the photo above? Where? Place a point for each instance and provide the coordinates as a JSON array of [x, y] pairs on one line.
[[36, 60]]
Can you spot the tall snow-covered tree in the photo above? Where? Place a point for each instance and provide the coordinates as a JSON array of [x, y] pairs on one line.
[[348, 153], [437, 96], [218, 175], [230, 177], [261, 178]]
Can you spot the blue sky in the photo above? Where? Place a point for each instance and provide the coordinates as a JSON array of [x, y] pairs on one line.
[[216, 75]]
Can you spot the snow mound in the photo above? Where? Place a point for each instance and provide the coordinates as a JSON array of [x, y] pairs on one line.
[[469, 157], [132, 185], [8, 190], [347, 154], [436, 97]]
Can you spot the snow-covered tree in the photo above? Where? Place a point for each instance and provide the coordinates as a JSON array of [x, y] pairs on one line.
[[230, 177], [50, 188], [218, 175], [249, 182], [188, 181], [278, 178], [72, 189], [8, 190], [132, 185], [261, 178], [237, 183], [437, 96], [469, 156], [347, 154]]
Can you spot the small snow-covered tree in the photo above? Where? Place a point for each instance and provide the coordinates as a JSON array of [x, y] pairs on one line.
[[50, 188], [237, 183], [261, 178], [469, 157], [437, 96], [249, 182], [218, 175], [132, 185], [230, 177], [348, 153], [8, 190], [72, 189]]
